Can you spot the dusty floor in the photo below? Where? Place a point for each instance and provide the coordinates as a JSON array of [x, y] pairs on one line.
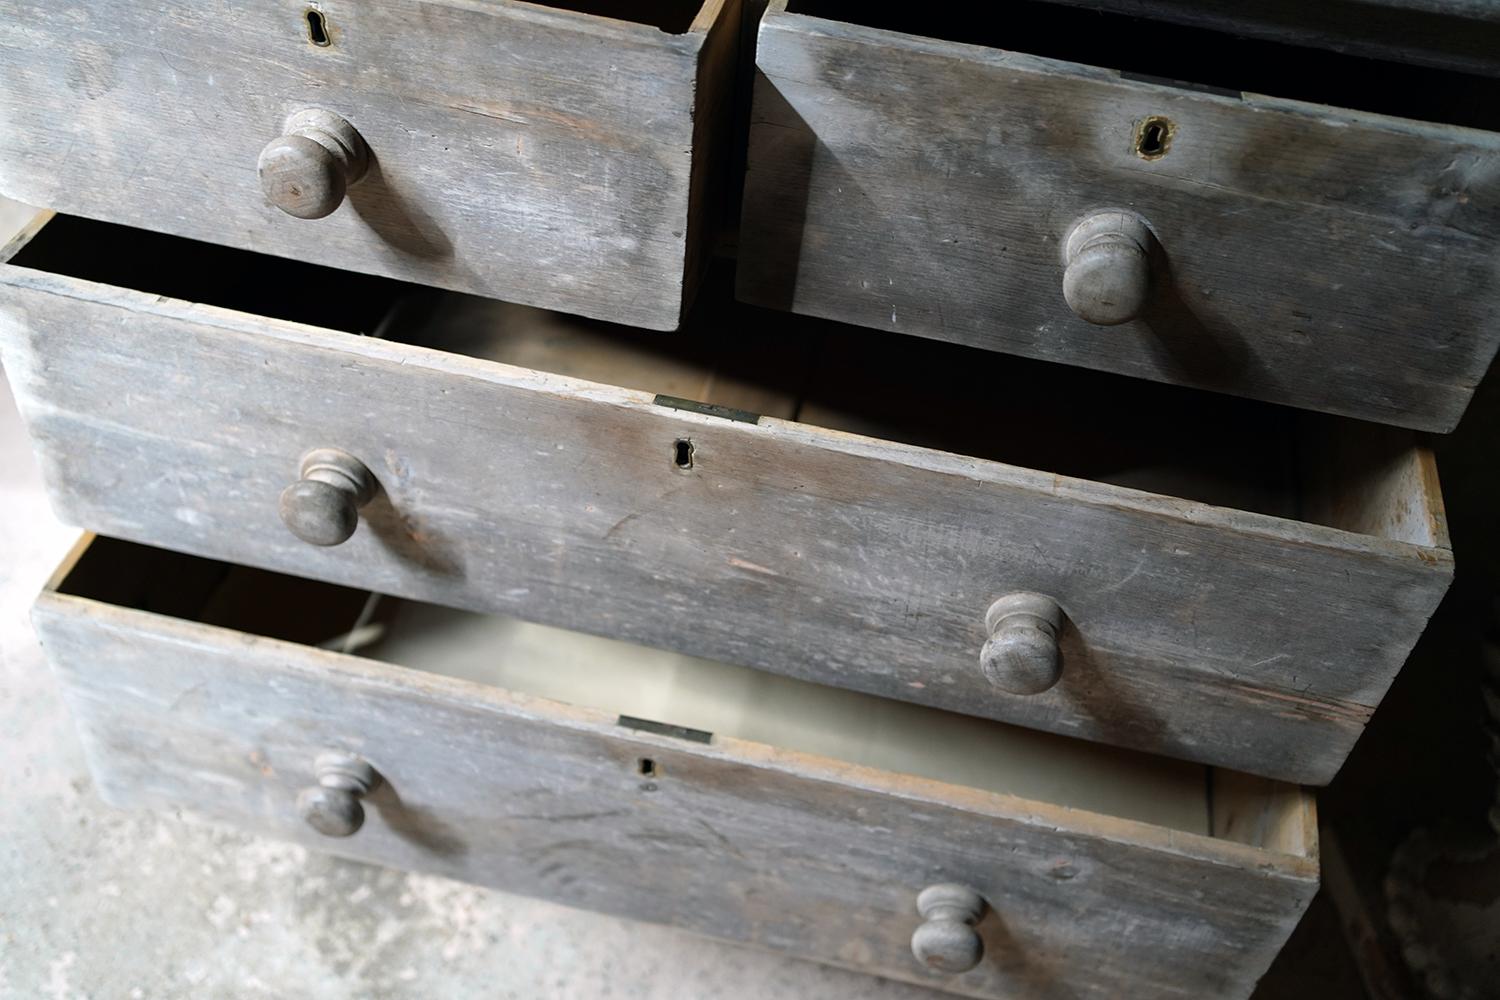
[[102, 904]]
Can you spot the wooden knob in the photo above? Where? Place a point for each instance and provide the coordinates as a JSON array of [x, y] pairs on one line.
[[333, 806], [322, 508], [1108, 267], [946, 940], [307, 170], [1021, 654]]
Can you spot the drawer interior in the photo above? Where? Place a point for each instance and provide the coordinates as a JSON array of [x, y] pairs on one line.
[[698, 700], [1162, 439], [1197, 57]]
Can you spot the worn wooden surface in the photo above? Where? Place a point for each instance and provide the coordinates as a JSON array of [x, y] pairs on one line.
[[1331, 260], [1206, 633], [536, 155], [739, 840]]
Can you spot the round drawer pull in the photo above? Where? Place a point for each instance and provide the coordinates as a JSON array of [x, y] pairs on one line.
[[1108, 267], [307, 170], [1021, 654], [946, 940], [322, 508], [332, 806]]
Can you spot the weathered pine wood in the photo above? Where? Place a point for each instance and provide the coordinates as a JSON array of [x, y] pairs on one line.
[[1330, 260], [531, 154], [1262, 812], [1364, 482], [805, 855], [1199, 632]]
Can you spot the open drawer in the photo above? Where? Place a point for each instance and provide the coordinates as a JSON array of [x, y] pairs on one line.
[[1288, 225], [1171, 571], [718, 799], [555, 152]]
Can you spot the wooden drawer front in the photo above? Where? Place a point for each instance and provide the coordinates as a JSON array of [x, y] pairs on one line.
[[532, 154], [816, 857], [1332, 260], [1214, 634]]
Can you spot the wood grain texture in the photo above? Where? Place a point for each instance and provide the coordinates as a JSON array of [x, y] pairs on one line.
[[737, 840], [536, 155], [1268, 814], [1330, 260], [1195, 631]]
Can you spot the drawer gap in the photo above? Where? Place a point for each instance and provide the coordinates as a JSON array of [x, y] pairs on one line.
[[740, 363], [727, 362], [170, 266], [1198, 57]]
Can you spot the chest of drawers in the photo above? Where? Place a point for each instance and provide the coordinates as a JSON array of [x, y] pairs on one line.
[[785, 544], [920, 655]]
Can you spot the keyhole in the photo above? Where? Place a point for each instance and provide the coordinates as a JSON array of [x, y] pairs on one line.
[[682, 453], [317, 29], [1153, 137]]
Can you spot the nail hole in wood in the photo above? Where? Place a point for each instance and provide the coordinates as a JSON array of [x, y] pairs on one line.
[[647, 767], [317, 29], [682, 453], [1153, 137]]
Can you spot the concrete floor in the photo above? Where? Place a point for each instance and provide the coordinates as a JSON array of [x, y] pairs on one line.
[[99, 903]]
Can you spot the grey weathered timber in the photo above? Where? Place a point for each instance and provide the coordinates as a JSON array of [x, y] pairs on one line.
[[810, 856], [1327, 259], [532, 154], [1200, 632]]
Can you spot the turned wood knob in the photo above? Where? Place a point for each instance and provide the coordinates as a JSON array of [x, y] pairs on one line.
[[308, 168], [1108, 267], [333, 806], [1021, 654], [322, 508], [946, 940]]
